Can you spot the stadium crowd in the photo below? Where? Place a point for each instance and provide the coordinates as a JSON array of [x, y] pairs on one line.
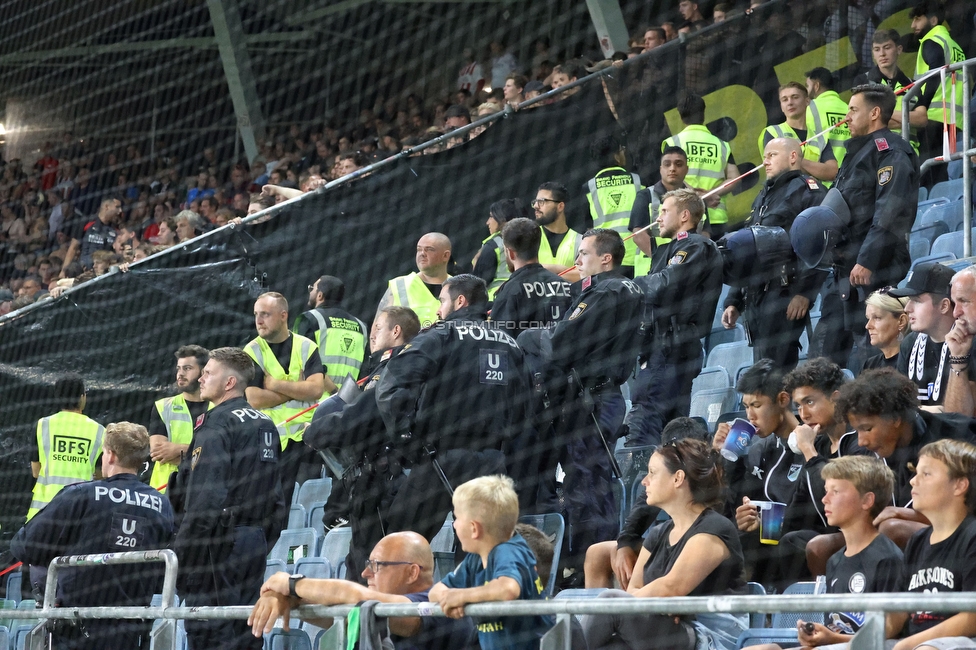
[[856, 461]]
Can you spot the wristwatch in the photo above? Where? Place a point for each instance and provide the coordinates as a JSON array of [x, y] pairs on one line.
[[291, 584]]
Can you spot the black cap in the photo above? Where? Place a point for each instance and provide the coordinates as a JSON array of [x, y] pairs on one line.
[[927, 277], [457, 110]]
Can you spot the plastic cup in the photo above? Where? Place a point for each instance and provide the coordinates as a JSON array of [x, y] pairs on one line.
[[771, 514], [740, 435]]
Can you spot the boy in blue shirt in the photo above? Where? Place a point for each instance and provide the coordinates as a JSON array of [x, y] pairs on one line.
[[499, 565]]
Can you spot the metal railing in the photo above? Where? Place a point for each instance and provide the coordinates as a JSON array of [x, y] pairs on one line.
[[870, 636], [966, 149]]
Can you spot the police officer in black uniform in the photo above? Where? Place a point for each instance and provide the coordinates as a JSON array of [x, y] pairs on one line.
[[228, 496], [776, 306], [533, 296], [876, 195], [116, 514], [459, 390], [358, 428], [594, 351], [680, 296]]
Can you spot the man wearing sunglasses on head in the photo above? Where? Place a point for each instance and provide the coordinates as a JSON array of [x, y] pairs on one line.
[[399, 570]]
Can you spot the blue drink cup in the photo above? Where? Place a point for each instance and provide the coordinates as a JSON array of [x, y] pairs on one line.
[[740, 436], [771, 514]]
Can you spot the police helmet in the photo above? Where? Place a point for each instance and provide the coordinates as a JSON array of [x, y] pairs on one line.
[[815, 233], [754, 254]]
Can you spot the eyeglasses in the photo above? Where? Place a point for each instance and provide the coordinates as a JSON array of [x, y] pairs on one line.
[[311, 287], [673, 444], [374, 566], [884, 290], [540, 202]]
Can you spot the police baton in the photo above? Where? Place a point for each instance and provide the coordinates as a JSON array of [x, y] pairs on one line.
[[599, 430], [432, 454]]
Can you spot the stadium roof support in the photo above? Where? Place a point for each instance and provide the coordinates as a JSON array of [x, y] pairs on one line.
[[608, 20]]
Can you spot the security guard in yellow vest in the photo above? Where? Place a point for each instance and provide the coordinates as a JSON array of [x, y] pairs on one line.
[[288, 379], [560, 243], [793, 101], [946, 101], [647, 204], [68, 444], [172, 419], [710, 161], [611, 193], [885, 51], [826, 109], [340, 336], [419, 291], [490, 264]]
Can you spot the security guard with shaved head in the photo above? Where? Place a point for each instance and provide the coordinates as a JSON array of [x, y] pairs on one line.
[[419, 291], [460, 391], [228, 496]]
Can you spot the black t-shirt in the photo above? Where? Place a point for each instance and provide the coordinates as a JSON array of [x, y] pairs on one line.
[[879, 361], [933, 360], [435, 289], [486, 267], [156, 426], [723, 579], [949, 565], [879, 568], [438, 633], [554, 238], [282, 352]]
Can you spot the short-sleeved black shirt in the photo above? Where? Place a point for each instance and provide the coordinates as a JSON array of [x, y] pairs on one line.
[[156, 426], [282, 352], [879, 568], [949, 565]]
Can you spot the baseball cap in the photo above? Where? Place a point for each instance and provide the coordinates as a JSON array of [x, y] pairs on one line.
[[927, 277]]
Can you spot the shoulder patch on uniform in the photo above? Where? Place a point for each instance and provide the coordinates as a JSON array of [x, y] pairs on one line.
[[812, 183], [386, 355], [200, 419], [681, 235], [579, 310], [195, 458], [885, 174], [881, 144], [587, 281], [678, 258], [406, 347]]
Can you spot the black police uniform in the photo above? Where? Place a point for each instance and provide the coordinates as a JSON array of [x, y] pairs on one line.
[[879, 182], [531, 297], [228, 495], [681, 293], [371, 482], [766, 299], [114, 515], [461, 388], [599, 340]]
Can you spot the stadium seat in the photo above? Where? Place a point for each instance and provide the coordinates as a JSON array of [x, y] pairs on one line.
[[717, 319], [789, 619], [633, 462], [313, 491], [444, 539], [315, 567], [294, 544], [637, 492], [730, 356], [335, 547], [949, 243], [315, 515], [444, 563], [785, 637], [756, 619], [710, 404], [944, 258], [951, 214], [920, 240], [272, 567], [923, 193], [296, 516], [711, 377], [8, 623], [620, 498], [13, 585], [18, 635], [849, 374], [278, 639], [721, 335], [951, 190], [570, 594], [923, 208], [554, 527]]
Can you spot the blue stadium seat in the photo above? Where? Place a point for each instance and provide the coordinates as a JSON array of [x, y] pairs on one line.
[[951, 214], [293, 639], [923, 193], [315, 567], [711, 377], [710, 404], [951, 190], [785, 637], [730, 356], [924, 207], [949, 243], [444, 563], [789, 619], [18, 635], [756, 620], [272, 567], [637, 492], [314, 490], [14, 579], [335, 547], [296, 516], [620, 498], [920, 240], [554, 527], [945, 258], [315, 516], [633, 462], [717, 319], [4, 637], [721, 335], [849, 374], [294, 544], [571, 594], [444, 539]]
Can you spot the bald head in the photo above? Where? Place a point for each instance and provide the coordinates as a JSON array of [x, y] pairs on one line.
[[413, 568], [433, 254], [780, 156], [271, 317]]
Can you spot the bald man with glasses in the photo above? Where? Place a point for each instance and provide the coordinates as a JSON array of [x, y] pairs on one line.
[[399, 570]]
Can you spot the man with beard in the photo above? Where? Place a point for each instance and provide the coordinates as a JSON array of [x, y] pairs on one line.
[[560, 243], [172, 419], [341, 337]]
